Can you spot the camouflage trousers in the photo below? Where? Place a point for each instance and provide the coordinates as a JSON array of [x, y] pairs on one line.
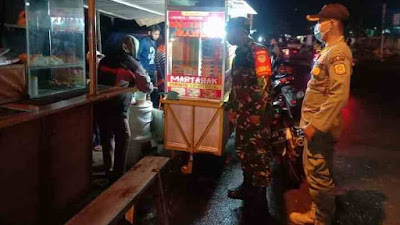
[[252, 148]]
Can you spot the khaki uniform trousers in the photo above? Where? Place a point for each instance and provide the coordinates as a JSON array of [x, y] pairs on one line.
[[318, 160]]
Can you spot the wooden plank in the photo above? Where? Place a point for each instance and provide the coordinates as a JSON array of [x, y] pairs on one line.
[[113, 202], [211, 104], [65, 168], [19, 175], [161, 203], [47, 167], [42, 111], [179, 126], [204, 127], [209, 125]]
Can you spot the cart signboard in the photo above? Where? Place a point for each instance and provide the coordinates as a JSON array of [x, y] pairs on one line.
[[196, 54]]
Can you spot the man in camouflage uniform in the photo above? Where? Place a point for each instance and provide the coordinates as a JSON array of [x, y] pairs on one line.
[[247, 106], [326, 95]]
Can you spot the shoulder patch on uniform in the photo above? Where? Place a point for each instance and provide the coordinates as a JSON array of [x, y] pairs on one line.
[[262, 63], [337, 59], [340, 69], [316, 71]]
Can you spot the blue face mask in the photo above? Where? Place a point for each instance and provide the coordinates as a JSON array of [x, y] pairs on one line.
[[319, 35]]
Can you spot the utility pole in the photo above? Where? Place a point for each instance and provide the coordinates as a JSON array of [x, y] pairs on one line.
[[384, 5]]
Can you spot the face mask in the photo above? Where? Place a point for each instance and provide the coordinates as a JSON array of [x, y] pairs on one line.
[[319, 35]]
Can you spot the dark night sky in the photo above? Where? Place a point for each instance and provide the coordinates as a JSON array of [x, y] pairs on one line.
[[288, 16]]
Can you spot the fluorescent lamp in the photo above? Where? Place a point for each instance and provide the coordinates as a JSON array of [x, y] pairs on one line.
[[137, 7]]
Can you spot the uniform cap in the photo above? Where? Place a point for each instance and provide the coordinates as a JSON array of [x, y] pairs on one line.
[[239, 22], [331, 11]]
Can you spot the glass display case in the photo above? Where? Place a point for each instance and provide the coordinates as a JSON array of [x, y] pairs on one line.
[[55, 46], [195, 55]]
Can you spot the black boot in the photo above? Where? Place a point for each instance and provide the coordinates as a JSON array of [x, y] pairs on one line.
[[240, 191], [255, 210]]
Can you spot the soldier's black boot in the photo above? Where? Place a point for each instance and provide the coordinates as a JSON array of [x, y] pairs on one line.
[[240, 191], [255, 210]]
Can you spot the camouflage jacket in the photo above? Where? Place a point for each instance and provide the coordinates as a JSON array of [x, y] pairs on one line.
[[251, 71]]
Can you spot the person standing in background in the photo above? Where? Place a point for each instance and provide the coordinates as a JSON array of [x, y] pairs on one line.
[[160, 64], [274, 49], [96, 133], [121, 69], [147, 56]]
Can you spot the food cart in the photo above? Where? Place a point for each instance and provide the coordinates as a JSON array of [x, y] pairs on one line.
[[197, 58]]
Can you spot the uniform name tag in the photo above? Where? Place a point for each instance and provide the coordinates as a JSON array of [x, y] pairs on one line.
[[337, 59]]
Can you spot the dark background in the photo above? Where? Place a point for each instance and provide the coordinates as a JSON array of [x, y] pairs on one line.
[[288, 16]]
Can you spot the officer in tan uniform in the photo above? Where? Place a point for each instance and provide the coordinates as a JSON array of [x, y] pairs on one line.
[[327, 93]]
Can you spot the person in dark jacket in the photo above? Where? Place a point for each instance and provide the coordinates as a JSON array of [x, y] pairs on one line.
[[96, 133], [147, 56], [274, 49], [122, 69], [160, 63]]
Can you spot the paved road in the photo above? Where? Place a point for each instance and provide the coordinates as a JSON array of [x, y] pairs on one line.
[[367, 164]]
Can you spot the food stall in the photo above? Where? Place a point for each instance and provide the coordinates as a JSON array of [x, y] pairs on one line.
[[46, 106], [197, 58]]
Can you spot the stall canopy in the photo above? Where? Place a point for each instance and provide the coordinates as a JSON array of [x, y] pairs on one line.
[[149, 12], [240, 8], [145, 12]]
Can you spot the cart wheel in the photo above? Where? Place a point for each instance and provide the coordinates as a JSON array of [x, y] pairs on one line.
[[188, 169]]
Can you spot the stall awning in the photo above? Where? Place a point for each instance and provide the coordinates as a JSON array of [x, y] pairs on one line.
[[149, 12], [145, 12], [240, 8]]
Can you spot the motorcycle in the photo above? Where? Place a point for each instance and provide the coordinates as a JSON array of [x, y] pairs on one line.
[[283, 88], [287, 138]]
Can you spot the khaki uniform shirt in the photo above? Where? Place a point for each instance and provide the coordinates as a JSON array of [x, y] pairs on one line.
[[328, 89]]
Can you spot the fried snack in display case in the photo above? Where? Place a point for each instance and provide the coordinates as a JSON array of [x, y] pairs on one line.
[[55, 56]]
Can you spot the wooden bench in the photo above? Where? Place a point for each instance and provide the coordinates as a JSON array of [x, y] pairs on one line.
[[111, 205]]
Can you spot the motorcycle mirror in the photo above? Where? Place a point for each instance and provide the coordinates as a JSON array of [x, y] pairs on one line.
[[300, 94]]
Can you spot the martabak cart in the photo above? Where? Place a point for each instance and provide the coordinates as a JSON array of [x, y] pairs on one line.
[[198, 57]]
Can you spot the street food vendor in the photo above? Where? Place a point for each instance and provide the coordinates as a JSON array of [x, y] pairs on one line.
[[123, 69]]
